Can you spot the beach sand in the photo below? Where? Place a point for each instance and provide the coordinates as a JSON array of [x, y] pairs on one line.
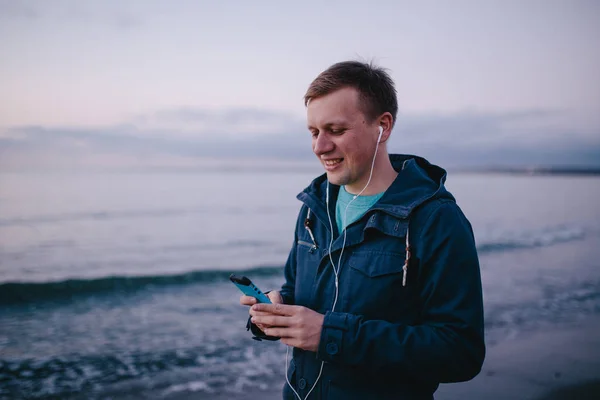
[[557, 363], [585, 391]]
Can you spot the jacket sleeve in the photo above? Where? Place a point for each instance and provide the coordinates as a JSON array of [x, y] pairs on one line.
[[447, 343], [288, 288]]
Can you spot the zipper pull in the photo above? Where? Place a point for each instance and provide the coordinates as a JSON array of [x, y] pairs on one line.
[[307, 224], [405, 266], [312, 237]]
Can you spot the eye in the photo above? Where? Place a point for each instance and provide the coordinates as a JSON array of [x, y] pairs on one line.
[[337, 131], [314, 133]]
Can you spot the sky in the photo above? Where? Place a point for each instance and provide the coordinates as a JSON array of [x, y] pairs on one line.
[[122, 83]]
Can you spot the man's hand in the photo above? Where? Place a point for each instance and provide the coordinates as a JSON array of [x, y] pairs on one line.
[[297, 326], [274, 296]]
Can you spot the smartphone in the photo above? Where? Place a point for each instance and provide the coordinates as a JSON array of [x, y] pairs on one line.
[[249, 288]]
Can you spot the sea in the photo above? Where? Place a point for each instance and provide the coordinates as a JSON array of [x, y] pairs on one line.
[[114, 284]]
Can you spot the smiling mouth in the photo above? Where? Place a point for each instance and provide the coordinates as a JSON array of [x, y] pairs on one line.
[[333, 163]]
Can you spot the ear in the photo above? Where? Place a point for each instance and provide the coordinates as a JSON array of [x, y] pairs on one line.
[[386, 123]]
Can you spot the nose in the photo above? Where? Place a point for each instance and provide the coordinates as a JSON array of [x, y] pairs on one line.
[[322, 144]]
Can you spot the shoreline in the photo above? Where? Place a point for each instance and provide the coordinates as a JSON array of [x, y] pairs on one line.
[[530, 170], [556, 363]]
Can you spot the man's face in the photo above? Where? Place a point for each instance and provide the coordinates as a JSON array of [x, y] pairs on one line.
[[342, 138]]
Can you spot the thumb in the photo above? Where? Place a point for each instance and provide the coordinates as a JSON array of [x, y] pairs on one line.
[[275, 297]]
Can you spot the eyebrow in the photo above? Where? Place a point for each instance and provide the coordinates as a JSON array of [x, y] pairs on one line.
[[330, 124]]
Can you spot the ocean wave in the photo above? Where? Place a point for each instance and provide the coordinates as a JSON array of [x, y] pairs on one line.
[[103, 215], [562, 307], [61, 376], [25, 292], [530, 239]]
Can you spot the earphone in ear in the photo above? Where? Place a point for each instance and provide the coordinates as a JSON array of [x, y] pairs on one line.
[[380, 133]]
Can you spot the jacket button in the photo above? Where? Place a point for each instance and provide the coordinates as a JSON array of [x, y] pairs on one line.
[[331, 348], [302, 383]]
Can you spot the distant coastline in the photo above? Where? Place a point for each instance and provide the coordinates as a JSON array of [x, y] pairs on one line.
[[531, 170]]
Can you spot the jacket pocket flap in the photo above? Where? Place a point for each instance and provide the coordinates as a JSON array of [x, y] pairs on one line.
[[374, 264]]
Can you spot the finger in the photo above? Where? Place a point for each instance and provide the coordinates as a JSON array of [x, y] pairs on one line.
[[289, 341], [259, 313], [272, 320], [279, 332], [247, 300], [279, 309]]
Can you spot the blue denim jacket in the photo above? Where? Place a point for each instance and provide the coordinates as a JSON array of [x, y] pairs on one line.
[[397, 331]]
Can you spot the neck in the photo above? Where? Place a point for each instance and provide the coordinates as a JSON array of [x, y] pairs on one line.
[[384, 175]]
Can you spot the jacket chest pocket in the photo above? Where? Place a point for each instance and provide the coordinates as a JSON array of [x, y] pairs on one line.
[[372, 286]]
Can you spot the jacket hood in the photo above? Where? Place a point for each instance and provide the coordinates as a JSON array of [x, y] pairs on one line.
[[417, 182]]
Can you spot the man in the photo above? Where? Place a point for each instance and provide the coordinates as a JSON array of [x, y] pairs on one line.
[[382, 296]]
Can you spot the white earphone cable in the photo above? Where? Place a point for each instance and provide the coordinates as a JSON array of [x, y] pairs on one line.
[[335, 270]]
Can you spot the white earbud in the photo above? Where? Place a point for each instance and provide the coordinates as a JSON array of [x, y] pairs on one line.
[[380, 133]]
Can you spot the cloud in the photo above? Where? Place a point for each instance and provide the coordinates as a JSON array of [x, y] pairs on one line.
[[239, 122], [529, 137], [477, 129], [186, 136]]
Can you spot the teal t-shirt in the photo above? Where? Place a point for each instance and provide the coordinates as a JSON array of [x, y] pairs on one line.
[[357, 209]]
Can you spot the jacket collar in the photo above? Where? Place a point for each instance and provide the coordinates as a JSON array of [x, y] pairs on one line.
[[417, 181]]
